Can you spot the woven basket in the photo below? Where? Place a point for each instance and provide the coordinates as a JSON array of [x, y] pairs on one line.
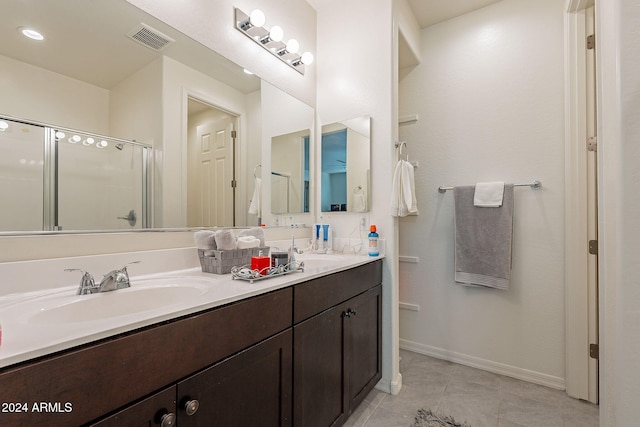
[[220, 262]]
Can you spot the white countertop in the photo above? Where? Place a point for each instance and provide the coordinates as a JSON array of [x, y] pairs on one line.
[[28, 333]]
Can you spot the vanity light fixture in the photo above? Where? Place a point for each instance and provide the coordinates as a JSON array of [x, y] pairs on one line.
[[75, 139], [31, 33], [88, 141], [102, 144], [252, 26]]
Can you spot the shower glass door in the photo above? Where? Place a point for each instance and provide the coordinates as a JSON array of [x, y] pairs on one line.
[[21, 176], [101, 183]]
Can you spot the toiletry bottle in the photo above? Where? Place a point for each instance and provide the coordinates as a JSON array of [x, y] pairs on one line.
[[373, 241]]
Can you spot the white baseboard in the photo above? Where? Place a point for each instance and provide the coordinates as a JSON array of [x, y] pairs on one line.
[[486, 365], [391, 387]]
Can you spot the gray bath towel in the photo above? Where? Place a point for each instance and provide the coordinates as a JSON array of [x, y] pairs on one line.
[[483, 239]]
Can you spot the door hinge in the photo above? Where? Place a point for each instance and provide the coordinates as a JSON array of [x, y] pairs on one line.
[[594, 351], [593, 247], [234, 134], [592, 143], [234, 183], [591, 41]]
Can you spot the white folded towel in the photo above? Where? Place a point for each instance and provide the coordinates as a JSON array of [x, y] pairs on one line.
[[488, 194], [403, 193], [256, 232], [205, 239], [255, 207], [246, 242], [225, 240]]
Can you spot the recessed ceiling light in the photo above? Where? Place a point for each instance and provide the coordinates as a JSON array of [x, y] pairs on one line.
[[31, 33]]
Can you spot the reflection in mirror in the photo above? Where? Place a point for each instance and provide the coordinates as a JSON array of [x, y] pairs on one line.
[[91, 72], [61, 179], [290, 172], [291, 158], [22, 169], [346, 159]]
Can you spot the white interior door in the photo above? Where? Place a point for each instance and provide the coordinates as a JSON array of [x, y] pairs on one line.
[[215, 165], [581, 302], [592, 203]]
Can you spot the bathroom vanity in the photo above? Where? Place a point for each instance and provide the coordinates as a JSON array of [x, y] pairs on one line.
[[304, 354]]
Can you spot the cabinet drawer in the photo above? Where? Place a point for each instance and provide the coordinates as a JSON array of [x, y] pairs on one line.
[[314, 296], [103, 377]]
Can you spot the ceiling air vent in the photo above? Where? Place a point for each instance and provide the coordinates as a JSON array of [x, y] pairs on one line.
[[150, 37]]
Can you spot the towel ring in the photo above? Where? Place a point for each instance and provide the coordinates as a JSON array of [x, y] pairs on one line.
[[255, 169], [400, 145]]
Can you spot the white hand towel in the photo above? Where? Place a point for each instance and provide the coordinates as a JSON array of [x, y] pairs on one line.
[[359, 202], [225, 240], [246, 242], [488, 194], [403, 195], [409, 188], [205, 239], [255, 207]]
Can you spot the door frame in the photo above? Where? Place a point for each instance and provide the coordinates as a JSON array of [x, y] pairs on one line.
[[239, 162], [581, 377]]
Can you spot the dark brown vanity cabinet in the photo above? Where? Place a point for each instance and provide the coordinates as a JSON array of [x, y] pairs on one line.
[[305, 355], [336, 351], [120, 377], [252, 388]]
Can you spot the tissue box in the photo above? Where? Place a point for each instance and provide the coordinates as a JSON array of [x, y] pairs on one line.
[[220, 262]]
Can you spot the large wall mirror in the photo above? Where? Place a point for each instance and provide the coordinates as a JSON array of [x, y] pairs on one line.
[[346, 170], [107, 68]]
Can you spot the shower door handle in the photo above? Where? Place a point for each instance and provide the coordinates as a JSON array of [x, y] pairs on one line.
[[132, 218]]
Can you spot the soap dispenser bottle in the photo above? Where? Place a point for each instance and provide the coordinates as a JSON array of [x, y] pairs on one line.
[[373, 241]]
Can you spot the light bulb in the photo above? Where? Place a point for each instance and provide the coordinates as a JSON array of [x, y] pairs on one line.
[[293, 46], [88, 141], [102, 144], [307, 58], [276, 34], [75, 139], [31, 33], [60, 135], [257, 18], [3, 126]]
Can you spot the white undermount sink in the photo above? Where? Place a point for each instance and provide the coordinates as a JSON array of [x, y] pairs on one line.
[[143, 296]]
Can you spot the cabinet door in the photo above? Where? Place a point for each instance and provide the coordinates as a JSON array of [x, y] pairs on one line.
[[251, 388], [157, 410], [363, 350], [318, 370]]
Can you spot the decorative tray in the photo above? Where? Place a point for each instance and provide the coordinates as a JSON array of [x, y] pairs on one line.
[[244, 272]]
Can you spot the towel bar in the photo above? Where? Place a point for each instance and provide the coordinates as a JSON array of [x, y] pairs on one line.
[[535, 185]]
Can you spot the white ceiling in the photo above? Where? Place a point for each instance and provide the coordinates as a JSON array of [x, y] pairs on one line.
[[429, 12], [87, 41]]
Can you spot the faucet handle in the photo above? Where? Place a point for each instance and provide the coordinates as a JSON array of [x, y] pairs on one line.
[[124, 267], [87, 283]]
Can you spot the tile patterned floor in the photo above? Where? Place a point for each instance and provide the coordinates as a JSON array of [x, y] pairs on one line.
[[477, 397]]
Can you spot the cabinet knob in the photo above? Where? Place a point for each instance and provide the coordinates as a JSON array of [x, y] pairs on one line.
[[191, 406], [168, 420]]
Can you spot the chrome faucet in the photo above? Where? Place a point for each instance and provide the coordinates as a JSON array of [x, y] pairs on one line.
[[115, 279]]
